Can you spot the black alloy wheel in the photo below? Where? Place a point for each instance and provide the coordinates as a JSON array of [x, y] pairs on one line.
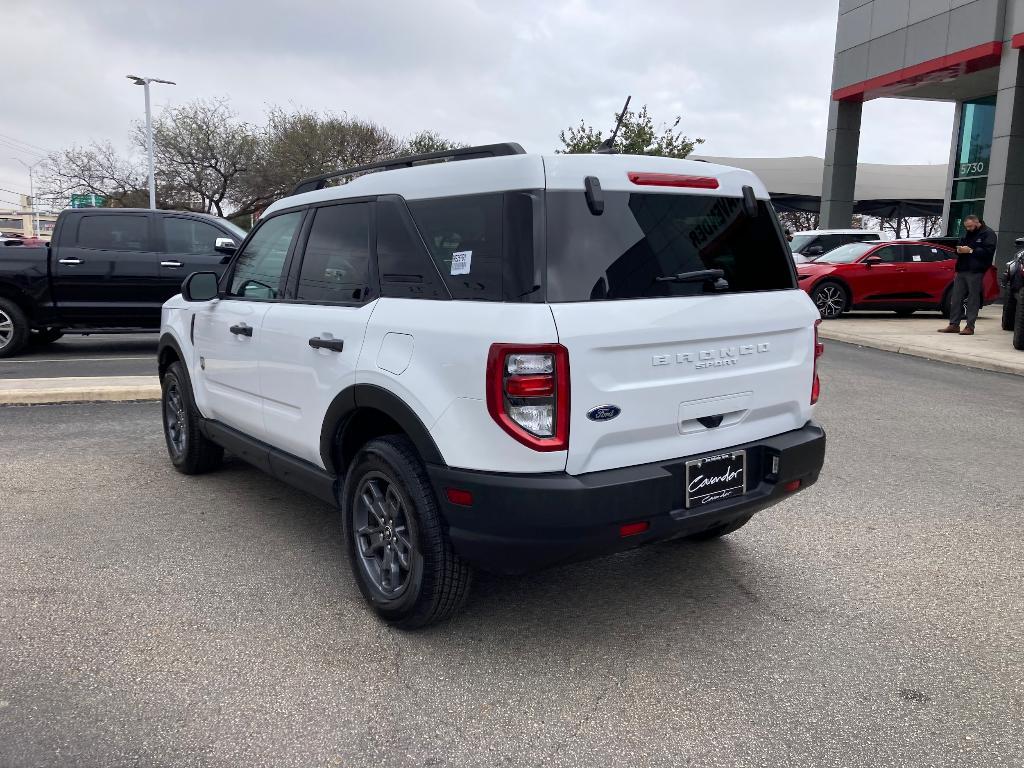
[[382, 538], [175, 424]]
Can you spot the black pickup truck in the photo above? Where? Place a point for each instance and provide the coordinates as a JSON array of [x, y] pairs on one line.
[[105, 271]]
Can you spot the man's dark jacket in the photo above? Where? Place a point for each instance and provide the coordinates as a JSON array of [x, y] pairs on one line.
[[983, 242]]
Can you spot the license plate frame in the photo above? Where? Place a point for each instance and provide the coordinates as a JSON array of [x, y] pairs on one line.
[[729, 483]]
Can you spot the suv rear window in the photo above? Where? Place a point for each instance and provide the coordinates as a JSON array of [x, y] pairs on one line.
[[642, 237], [483, 245]]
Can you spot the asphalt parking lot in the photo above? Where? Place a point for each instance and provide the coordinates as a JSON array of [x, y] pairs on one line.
[[876, 619], [104, 355]]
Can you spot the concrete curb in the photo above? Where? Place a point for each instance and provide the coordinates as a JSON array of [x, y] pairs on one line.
[[922, 351], [81, 389]]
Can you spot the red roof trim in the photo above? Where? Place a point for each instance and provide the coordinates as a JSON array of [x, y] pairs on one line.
[[937, 70], [1018, 40]]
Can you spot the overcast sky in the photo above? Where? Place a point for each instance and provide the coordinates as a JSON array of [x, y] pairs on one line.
[[750, 77]]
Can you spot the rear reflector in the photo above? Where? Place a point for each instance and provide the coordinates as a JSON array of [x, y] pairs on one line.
[[792, 485], [672, 180], [632, 529], [459, 496]]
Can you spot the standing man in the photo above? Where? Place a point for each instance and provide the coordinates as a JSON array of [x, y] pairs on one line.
[[975, 253]]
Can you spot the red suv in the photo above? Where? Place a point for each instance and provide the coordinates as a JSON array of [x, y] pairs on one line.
[[902, 276]]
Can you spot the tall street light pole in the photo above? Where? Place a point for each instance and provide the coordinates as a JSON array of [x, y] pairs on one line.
[[32, 194], [144, 82]]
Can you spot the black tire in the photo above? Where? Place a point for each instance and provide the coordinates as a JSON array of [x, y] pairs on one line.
[[387, 508], [830, 298], [904, 312], [720, 530], [190, 451], [1009, 311], [1018, 323], [14, 329], [45, 336]]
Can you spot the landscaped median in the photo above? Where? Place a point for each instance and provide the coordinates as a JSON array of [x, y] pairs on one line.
[[989, 349], [78, 389]]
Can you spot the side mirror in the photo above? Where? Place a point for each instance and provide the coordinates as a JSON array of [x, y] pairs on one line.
[[814, 250], [225, 245], [872, 260], [200, 286]]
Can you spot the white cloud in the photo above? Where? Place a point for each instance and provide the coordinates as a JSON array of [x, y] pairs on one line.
[[750, 77]]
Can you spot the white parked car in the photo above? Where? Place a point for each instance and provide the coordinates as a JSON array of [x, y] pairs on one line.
[[504, 361], [809, 245]]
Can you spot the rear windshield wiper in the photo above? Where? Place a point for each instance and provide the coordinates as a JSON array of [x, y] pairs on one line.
[[697, 276]]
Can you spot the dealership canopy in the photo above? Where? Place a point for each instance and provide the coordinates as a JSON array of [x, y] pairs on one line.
[[882, 190]]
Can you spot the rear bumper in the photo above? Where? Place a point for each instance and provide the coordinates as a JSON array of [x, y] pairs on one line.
[[519, 523]]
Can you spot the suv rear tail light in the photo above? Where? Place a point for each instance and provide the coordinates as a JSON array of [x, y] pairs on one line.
[[819, 350], [528, 393]]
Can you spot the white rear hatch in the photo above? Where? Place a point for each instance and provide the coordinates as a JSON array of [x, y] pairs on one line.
[[691, 362]]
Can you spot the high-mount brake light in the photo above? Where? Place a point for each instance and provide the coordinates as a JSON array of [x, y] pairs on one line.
[[819, 350], [528, 393], [672, 180]]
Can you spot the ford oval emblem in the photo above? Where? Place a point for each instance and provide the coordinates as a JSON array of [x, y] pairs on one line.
[[604, 413]]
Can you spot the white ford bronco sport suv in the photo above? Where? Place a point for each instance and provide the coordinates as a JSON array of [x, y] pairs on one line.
[[504, 361]]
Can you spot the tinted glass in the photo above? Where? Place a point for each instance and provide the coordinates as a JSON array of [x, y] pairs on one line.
[[642, 237], [463, 236], [891, 254], [257, 270], [865, 238], [926, 253], [405, 267], [845, 254], [336, 262], [190, 236], [114, 233], [830, 242]]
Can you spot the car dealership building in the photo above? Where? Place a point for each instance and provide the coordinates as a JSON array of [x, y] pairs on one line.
[[965, 51]]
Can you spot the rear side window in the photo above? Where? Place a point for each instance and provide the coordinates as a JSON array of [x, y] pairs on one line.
[[642, 241], [336, 263], [406, 269], [890, 254], [114, 233], [927, 253], [260, 265], [463, 235], [484, 246]]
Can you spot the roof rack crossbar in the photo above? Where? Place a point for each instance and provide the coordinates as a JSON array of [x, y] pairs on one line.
[[463, 153]]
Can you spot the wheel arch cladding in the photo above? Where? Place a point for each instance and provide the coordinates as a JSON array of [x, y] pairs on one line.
[[364, 411], [168, 352]]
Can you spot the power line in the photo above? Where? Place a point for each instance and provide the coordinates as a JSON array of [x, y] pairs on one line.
[[15, 148], [12, 191], [26, 143]]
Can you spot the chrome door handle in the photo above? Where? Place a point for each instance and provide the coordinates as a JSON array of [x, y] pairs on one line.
[[241, 329], [335, 345], [170, 264], [69, 261]]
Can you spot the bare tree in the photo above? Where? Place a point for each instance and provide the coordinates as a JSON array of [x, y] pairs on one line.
[[798, 221], [931, 226], [97, 169], [202, 150]]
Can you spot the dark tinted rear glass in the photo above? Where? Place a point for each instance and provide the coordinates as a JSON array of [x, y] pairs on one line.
[[642, 237], [114, 233], [484, 245]]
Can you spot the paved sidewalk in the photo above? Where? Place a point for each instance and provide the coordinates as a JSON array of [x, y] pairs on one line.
[[77, 389], [989, 349]]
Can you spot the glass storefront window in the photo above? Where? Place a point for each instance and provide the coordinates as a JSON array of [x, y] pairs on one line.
[[973, 151]]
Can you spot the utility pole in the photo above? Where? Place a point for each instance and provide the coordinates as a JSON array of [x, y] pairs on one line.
[[32, 194], [144, 82]]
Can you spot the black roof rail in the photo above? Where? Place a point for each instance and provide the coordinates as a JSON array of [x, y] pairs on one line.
[[463, 153]]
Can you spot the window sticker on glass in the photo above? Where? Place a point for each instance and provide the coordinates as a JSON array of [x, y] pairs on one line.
[[916, 257], [461, 262]]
